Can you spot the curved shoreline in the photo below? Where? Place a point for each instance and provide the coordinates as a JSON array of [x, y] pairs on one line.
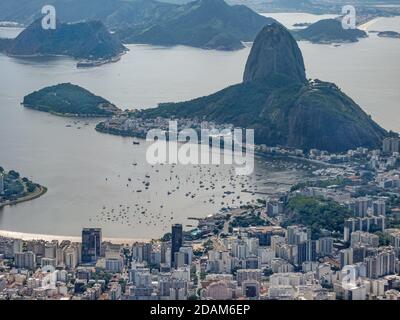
[[34, 195], [67, 115], [366, 25], [46, 237]]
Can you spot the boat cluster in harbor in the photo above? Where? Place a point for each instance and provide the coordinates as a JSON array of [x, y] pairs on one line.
[[152, 191]]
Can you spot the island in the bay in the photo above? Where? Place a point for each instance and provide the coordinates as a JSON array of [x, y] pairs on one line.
[[276, 100], [389, 34], [15, 189], [302, 24], [67, 99], [207, 24], [328, 31], [89, 42]]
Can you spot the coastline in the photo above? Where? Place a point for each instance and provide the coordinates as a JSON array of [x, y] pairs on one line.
[[34, 195], [81, 63], [66, 115], [46, 237], [100, 62], [364, 26]]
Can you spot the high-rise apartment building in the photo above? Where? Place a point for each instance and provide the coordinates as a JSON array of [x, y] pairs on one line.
[[91, 244], [176, 241]]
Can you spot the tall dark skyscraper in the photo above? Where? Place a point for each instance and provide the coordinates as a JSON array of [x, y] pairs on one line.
[[306, 251], [176, 243], [91, 244]]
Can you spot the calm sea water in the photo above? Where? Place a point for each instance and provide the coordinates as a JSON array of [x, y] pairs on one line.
[[91, 177]]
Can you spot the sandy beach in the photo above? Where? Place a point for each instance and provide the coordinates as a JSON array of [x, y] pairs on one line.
[[46, 237], [40, 191], [368, 24]]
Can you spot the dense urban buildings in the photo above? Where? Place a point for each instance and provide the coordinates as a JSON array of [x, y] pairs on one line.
[[317, 219], [336, 237]]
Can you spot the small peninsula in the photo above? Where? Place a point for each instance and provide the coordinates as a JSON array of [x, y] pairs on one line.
[[15, 189], [389, 34], [67, 99], [328, 31]]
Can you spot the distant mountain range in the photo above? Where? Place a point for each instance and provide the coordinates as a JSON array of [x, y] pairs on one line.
[[280, 104], [115, 12], [312, 6], [210, 24], [85, 40], [69, 100], [329, 31]]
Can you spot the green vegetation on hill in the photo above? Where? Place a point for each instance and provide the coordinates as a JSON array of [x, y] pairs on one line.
[[209, 24], [252, 219], [4, 44], [112, 13], [313, 115], [322, 183], [328, 31], [126, 12], [69, 99], [14, 186], [317, 214], [281, 106], [389, 34], [85, 40]]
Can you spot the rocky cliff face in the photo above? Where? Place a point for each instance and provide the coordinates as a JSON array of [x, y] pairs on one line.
[[275, 52], [282, 107]]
